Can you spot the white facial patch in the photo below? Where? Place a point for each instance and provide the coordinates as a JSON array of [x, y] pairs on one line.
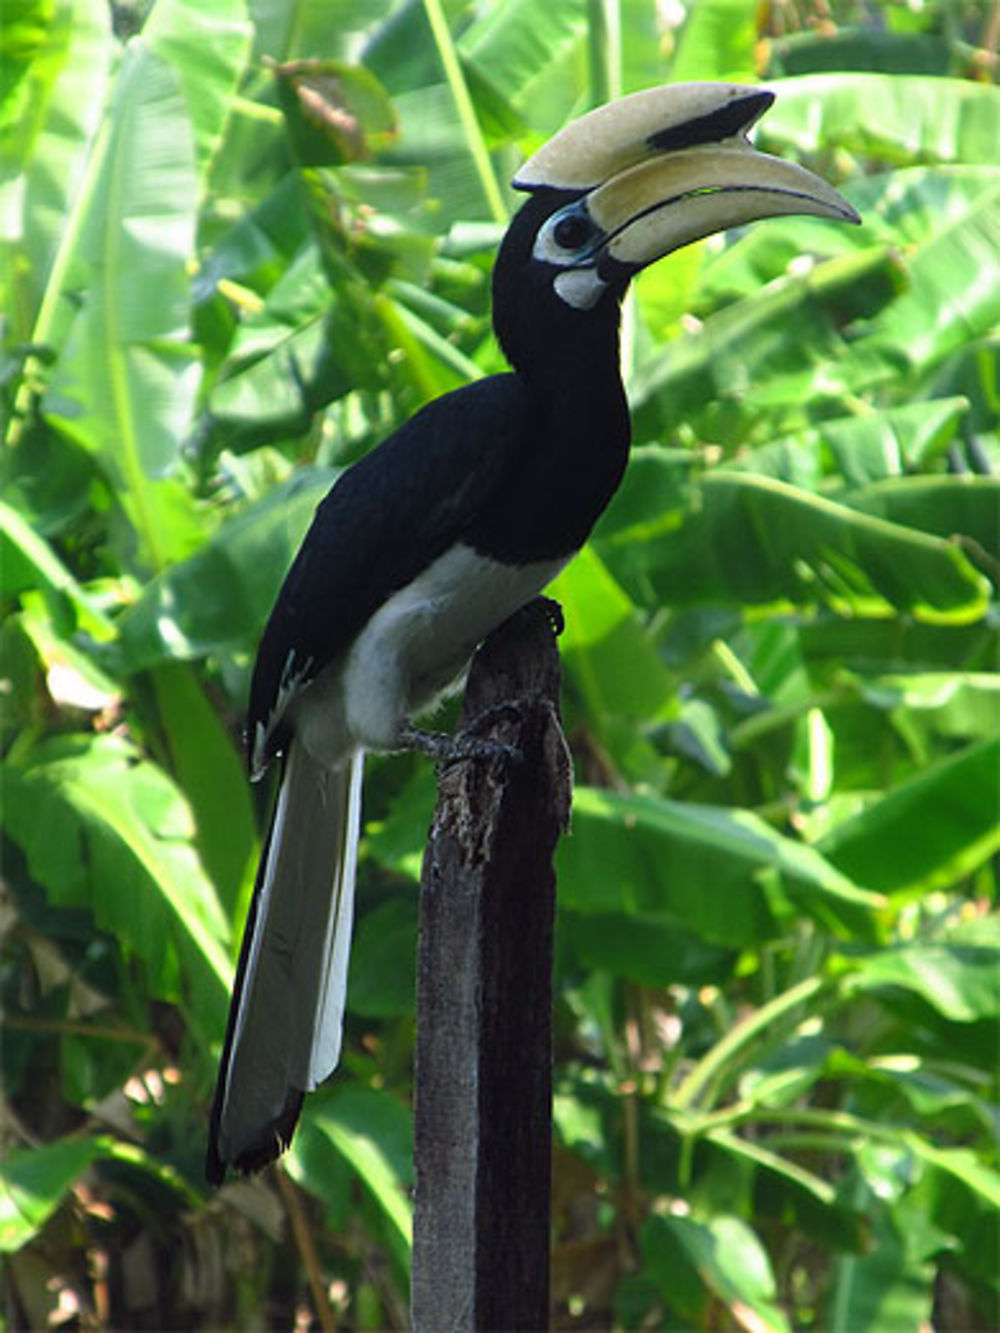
[[580, 287], [570, 240]]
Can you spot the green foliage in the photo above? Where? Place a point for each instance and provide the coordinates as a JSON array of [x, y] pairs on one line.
[[240, 246]]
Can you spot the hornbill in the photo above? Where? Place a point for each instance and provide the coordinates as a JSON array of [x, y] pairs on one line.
[[439, 534]]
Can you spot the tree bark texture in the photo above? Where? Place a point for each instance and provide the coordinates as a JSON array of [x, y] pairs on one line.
[[484, 997]]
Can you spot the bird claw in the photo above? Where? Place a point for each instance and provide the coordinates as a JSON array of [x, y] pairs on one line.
[[446, 750]]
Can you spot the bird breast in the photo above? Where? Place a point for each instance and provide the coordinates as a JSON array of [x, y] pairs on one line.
[[416, 646]]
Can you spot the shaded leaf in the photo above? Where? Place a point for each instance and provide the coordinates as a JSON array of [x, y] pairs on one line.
[[642, 946], [382, 981], [962, 982], [696, 866], [124, 853], [862, 49], [964, 508], [960, 1194], [781, 1184], [762, 542], [889, 1287], [212, 775], [220, 597], [881, 645], [29, 562]]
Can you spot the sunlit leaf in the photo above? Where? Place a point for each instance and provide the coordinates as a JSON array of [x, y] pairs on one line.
[[779, 347], [48, 132], [524, 59], [33, 1182], [907, 208], [903, 119], [602, 634], [372, 1132], [724, 1259], [961, 704], [954, 290], [126, 382], [775, 980], [874, 445], [929, 831], [323, 28], [718, 42], [206, 46]]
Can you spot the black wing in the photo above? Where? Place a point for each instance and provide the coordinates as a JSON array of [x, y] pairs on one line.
[[383, 522]]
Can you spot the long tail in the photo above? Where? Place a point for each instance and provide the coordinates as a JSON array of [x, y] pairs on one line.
[[287, 1011]]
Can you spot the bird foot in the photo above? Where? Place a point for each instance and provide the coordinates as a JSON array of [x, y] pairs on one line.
[[446, 750]]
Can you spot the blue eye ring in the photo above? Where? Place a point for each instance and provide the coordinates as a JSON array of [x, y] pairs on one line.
[[569, 237]]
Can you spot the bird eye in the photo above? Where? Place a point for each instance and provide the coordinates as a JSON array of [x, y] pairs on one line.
[[568, 238], [573, 232]]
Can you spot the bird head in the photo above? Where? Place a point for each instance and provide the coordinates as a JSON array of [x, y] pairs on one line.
[[633, 181]]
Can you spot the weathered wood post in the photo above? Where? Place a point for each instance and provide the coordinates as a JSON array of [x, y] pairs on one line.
[[484, 999]]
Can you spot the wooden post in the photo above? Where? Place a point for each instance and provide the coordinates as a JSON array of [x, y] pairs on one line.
[[484, 999]]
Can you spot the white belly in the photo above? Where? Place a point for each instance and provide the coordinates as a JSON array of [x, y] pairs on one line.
[[412, 649], [422, 639]]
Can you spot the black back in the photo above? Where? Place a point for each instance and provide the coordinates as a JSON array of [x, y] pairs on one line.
[[517, 466]]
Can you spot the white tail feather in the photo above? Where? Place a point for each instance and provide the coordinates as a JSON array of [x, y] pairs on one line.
[[329, 1026], [287, 1029]]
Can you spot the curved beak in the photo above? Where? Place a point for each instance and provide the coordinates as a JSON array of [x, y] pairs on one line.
[[670, 165]]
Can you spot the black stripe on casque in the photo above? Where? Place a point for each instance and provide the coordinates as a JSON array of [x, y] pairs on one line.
[[737, 115]]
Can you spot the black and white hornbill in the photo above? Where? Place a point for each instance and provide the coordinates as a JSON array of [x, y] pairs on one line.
[[438, 535]]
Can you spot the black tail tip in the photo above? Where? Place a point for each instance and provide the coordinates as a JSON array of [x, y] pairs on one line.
[[264, 1149]]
